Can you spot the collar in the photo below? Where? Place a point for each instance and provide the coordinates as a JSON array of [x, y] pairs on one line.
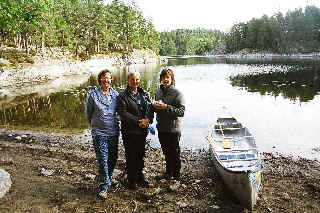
[[166, 88], [140, 90], [112, 91]]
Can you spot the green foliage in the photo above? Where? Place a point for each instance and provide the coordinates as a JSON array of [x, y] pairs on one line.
[[297, 31], [15, 56], [84, 27], [189, 42]]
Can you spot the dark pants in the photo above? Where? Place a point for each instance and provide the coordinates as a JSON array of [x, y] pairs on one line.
[[171, 150], [134, 145], [106, 148]]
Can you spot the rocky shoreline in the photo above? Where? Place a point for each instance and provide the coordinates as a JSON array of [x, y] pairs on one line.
[[56, 173], [48, 69]]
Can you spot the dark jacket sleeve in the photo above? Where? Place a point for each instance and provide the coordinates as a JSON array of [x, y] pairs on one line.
[[150, 110], [122, 109]]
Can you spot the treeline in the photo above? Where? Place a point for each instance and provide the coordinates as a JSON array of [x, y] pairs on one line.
[[82, 26], [296, 32], [86, 27], [190, 42]]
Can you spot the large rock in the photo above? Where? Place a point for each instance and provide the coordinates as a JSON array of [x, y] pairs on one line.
[[5, 61], [5, 182]]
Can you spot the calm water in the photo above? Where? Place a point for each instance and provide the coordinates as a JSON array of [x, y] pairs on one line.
[[278, 100]]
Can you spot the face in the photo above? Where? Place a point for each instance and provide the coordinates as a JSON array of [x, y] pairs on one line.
[[134, 82], [166, 80], [106, 80]]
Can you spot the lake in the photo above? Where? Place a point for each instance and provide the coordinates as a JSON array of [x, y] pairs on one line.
[[277, 99]]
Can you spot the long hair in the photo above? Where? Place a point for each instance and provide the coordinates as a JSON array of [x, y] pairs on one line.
[[169, 72], [101, 73]]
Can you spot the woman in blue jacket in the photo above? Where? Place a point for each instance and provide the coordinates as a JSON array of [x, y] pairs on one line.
[[101, 114]]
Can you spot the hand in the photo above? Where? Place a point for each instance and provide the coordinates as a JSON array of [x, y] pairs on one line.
[[144, 123], [160, 105]]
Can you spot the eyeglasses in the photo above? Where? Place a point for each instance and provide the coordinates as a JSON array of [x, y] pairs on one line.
[[106, 78]]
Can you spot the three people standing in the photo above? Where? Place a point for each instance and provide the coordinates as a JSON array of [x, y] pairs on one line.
[[136, 112]]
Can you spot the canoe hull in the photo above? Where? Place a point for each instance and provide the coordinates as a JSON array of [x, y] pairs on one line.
[[245, 185], [237, 159]]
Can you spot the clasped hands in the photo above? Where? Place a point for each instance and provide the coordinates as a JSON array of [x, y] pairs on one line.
[[160, 105], [144, 123]]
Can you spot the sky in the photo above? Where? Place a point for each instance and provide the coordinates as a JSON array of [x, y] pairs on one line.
[[169, 15]]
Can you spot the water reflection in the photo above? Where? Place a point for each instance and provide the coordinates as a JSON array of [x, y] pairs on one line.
[[64, 111], [297, 83], [247, 87], [195, 60]]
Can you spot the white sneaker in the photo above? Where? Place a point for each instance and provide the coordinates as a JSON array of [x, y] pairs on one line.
[[103, 194]]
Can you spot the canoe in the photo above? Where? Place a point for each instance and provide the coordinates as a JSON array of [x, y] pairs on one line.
[[236, 158]]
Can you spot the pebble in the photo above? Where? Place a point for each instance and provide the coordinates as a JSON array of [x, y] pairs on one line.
[[182, 204], [18, 138], [90, 176], [286, 196], [5, 182], [117, 173], [197, 181], [46, 172], [175, 186], [6, 160], [214, 207]]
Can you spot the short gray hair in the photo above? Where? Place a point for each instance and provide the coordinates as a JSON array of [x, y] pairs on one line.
[[133, 73]]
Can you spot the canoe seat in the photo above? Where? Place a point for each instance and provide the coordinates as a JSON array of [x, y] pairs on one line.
[[239, 157], [226, 143]]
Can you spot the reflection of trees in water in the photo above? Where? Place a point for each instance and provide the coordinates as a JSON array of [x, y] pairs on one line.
[[60, 110], [297, 83], [195, 60], [149, 79], [64, 110]]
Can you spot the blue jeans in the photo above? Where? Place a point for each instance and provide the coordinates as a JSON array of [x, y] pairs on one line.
[[106, 148]]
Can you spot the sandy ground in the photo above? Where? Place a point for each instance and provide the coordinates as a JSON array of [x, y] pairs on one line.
[[56, 173]]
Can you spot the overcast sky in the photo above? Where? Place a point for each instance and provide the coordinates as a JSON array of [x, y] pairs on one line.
[[168, 15]]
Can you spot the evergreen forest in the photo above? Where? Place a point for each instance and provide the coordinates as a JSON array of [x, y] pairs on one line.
[[86, 27], [81, 26], [297, 31]]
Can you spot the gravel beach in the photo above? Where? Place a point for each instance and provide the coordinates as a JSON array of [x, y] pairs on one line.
[[56, 173]]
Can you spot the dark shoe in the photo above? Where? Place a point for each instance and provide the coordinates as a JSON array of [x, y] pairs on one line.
[[143, 183], [163, 176], [176, 177], [132, 186]]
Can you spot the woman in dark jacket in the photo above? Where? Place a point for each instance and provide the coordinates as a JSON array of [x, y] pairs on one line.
[[170, 108], [135, 110]]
